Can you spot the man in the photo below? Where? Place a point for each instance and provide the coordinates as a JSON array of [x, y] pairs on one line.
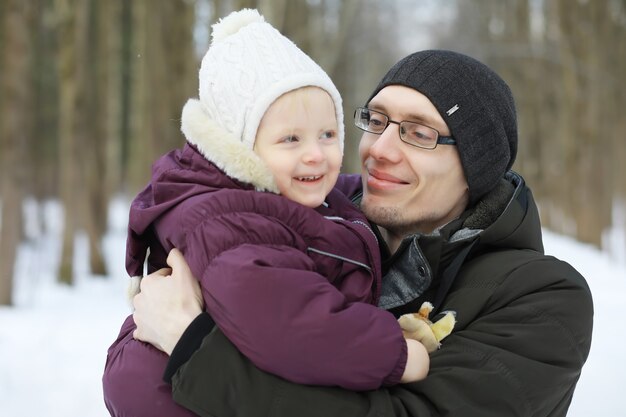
[[458, 229]]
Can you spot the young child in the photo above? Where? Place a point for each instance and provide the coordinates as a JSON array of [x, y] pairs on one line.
[[291, 275]]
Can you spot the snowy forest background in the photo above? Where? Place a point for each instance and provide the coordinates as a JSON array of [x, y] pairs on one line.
[[91, 93]]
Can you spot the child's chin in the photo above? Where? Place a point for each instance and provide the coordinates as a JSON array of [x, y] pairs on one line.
[[312, 203]]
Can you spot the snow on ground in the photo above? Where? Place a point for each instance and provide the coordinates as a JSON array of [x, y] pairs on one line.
[[53, 342]]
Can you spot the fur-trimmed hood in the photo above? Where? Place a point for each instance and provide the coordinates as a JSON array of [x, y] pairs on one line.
[[223, 149]]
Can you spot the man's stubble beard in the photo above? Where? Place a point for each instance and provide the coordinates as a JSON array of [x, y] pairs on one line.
[[390, 218]]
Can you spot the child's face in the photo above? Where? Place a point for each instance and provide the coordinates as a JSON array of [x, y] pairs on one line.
[[297, 139]]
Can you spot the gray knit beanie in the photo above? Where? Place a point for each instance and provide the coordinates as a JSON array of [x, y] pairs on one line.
[[476, 104]]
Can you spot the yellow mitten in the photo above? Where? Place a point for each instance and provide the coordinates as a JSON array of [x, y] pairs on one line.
[[417, 326]]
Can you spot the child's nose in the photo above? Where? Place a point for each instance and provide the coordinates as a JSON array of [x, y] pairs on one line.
[[313, 153]]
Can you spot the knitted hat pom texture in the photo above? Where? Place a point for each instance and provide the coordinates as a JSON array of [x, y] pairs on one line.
[[248, 66], [233, 22]]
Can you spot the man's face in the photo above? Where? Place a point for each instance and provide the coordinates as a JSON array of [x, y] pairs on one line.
[[409, 189]]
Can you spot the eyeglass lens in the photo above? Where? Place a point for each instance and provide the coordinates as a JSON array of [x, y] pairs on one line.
[[410, 132]]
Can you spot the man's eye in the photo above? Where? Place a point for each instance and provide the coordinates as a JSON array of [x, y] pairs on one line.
[[422, 136], [375, 122]]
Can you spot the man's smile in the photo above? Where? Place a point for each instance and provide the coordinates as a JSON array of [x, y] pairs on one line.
[[383, 181]]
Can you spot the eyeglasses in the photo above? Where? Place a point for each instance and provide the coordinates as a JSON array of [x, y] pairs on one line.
[[411, 133]]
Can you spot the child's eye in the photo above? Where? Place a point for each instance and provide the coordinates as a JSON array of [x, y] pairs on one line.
[[289, 139], [329, 134]]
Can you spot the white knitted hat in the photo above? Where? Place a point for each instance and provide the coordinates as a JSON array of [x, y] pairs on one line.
[[249, 65]]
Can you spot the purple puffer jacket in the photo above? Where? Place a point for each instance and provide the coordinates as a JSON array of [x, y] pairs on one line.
[[295, 289]]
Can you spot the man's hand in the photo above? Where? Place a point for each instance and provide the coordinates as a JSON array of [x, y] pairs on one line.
[[167, 304]]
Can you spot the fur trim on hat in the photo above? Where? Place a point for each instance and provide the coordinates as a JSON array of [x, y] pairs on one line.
[[233, 22], [133, 288], [225, 150]]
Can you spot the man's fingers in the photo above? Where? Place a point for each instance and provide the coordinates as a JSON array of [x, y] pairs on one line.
[[181, 273], [163, 272], [177, 262]]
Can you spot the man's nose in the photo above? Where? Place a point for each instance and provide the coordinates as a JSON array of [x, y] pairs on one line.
[[386, 145]]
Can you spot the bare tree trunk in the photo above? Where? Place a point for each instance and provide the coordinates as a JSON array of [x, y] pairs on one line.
[[127, 59], [217, 11], [296, 24], [274, 12], [111, 38], [94, 119], [589, 205], [250, 4], [68, 157], [336, 45], [10, 227], [182, 64], [43, 170], [140, 157], [15, 132], [164, 76]]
